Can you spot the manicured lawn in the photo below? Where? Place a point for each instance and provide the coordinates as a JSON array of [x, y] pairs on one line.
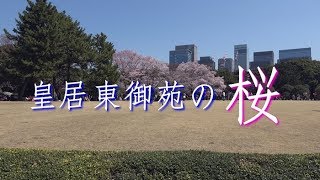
[[41, 164], [159, 145], [193, 129]]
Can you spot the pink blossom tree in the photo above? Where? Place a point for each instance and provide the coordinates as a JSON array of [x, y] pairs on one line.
[[150, 71], [136, 67], [192, 74]]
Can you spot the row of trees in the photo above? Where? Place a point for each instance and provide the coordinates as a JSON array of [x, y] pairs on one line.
[[49, 45], [298, 79]]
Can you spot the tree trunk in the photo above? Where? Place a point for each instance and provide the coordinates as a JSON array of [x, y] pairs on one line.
[[68, 71], [53, 87], [23, 89]]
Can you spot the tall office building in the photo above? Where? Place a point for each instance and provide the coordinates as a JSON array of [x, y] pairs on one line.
[[262, 59], [183, 53], [208, 61], [241, 56], [226, 63], [293, 54]]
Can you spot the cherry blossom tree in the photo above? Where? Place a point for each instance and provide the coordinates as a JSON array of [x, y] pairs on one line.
[[192, 74], [148, 70], [136, 67]]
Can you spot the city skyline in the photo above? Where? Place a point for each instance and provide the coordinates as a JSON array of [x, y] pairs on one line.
[[152, 28], [188, 53]]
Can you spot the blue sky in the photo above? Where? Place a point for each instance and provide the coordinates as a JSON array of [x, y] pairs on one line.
[[154, 27]]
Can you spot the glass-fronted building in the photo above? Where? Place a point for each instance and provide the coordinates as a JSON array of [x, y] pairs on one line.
[[293, 54], [241, 56], [226, 63], [208, 61], [182, 54], [262, 59]]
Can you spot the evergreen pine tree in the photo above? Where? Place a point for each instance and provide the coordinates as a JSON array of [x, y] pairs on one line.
[[101, 66], [49, 45]]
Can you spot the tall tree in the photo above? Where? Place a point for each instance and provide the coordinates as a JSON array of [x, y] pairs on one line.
[[100, 66], [8, 77], [49, 45]]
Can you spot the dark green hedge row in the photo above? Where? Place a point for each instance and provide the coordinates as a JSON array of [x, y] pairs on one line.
[[39, 164]]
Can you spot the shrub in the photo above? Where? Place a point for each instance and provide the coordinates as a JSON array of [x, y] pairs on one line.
[[40, 164]]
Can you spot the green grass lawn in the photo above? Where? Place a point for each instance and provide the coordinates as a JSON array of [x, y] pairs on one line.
[[42, 164]]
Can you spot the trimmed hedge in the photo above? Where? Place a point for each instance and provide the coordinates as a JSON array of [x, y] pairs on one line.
[[41, 164]]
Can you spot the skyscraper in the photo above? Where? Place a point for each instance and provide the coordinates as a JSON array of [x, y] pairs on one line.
[[241, 56], [183, 53], [262, 59], [208, 61], [226, 63], [293, 54]]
